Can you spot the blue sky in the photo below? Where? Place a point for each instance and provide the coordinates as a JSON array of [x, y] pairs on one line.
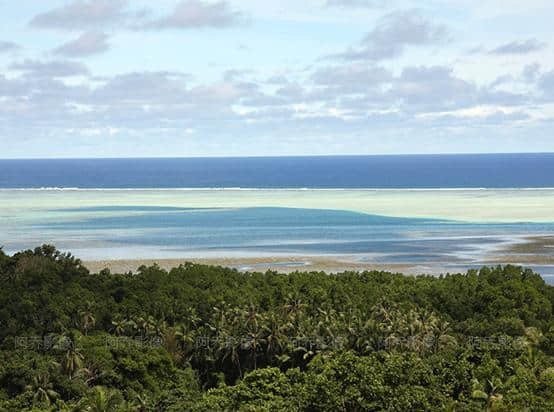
[[122, 78]]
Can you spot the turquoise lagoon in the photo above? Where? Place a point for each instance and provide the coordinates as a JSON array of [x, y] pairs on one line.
[[428, 227]]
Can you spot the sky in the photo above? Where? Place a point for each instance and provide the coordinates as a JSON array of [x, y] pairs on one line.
[[178, 78]]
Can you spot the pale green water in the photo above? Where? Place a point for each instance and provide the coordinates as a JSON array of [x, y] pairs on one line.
[[385, 226], [518, 205]]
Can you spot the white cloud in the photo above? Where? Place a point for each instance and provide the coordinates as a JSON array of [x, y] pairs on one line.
[[358, 3], [355, 77], [81, 14], [8, 46], [86, 44], [519, 47], [435, 88], [189, 14], [53, 68], [546, 84], [394, 33]]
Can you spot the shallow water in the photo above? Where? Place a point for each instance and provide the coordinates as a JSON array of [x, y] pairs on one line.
[[429, 227], [475, 205]]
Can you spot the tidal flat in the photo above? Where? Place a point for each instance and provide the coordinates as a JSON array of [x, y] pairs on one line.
[[413, 231]]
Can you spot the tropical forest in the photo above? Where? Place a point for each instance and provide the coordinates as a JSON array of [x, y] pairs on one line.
[[206, 338]]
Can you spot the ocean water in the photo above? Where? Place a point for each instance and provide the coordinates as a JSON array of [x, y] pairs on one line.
[[400, 172], [431, 211]]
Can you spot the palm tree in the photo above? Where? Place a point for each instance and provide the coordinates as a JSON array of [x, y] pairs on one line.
[[369, 336], [43, 389], [382, 313], [157, 328], [73, 361], [101, 400], [254, 343], [532, 358], [191, 317], [533, 336], [490, 393], [273, 335], [88, 374], [251, 316], [441, 334], [230, 348], [119, 326], [294, 308], [142, 325], [139, 403], [87, 317], [185, 339], [73, 358], [427, 319], [131, 326]]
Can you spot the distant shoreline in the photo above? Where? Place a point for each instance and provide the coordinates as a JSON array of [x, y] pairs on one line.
[[276, 189], [537, 250], [284, 264]]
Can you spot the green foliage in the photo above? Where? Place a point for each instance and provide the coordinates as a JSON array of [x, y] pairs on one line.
[[211, 338]]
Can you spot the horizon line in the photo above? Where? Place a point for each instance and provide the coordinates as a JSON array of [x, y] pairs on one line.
[[277, 156]]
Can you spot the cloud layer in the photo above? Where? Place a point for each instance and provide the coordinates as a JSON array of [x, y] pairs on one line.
[[8, 46], [357, 3], [394, 33], [519, 47], [335, 76], [88, 43], [189, 14], [82, 14]]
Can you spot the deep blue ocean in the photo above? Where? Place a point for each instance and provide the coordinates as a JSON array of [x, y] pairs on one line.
[[395, 172]]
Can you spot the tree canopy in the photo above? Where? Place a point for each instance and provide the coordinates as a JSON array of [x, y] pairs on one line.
[[212, 338]]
